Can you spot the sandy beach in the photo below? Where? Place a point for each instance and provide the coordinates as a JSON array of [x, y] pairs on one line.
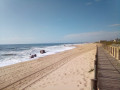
[[68, 70]]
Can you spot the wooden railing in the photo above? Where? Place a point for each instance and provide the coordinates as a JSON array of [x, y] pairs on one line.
[[114, 50]]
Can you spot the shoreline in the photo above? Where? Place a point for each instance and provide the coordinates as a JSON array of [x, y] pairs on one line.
[[30, 59], [39, 55], [30, 71]]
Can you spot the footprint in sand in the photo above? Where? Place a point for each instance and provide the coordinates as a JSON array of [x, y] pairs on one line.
[[48, 82], [85, 84], [80, 82], [82, 74], [39, 85], [84, 79], [81, 89], [77, 71], [43, 85], [65, 74]]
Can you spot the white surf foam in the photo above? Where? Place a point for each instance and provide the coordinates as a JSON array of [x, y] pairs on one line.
[[21, 56]]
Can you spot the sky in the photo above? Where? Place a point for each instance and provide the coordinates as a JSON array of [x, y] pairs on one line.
[[58, 21]]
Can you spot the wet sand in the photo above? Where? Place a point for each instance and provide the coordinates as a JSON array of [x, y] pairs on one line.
[[68, 70]]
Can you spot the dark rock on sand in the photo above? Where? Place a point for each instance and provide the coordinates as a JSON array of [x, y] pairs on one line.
[[35, 55], [32, 56], [42, 51]]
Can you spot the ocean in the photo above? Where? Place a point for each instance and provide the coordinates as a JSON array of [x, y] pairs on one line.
[[15, 53]]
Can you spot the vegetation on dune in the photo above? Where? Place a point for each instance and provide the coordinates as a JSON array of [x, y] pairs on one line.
[[110, 42], [91, 70]]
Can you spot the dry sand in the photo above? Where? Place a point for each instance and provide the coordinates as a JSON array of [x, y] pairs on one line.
[[68, 70]]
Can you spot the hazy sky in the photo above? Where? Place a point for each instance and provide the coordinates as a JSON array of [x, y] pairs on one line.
[[45, 21]]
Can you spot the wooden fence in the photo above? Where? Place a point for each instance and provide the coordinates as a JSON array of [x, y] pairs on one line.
[[114, 50]]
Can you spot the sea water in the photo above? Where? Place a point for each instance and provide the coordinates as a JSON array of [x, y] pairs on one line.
[[15, 53]]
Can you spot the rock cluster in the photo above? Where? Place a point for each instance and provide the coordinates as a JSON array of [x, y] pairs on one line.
[[41, 51]]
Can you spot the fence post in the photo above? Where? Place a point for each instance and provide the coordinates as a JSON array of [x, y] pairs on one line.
[[93, 84]]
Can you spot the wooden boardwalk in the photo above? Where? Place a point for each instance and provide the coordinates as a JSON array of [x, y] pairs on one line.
[[108, 71]]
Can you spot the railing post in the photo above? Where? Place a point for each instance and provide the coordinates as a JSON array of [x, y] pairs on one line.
[[95, 67], [93, 84]]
